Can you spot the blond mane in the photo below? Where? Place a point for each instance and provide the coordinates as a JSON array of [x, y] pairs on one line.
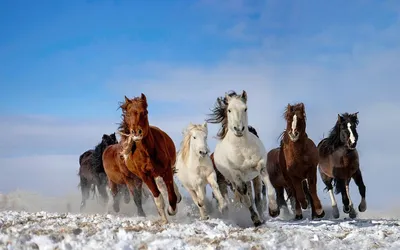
[[185, 144]]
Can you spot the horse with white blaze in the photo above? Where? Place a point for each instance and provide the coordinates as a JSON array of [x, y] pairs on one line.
[[240, 156], [195, 169]]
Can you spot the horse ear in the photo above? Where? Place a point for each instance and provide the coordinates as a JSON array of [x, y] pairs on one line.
[[227, 97], [339, 118], [104, 136], [355, 114], [289, 107], [302, 106], [127, 99], [143, 97], [244, 96]]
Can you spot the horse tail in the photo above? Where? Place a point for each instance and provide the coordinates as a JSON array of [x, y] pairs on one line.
[[253, 130]]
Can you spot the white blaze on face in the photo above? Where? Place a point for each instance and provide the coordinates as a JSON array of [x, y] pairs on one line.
[[294, 123], [352, 138]]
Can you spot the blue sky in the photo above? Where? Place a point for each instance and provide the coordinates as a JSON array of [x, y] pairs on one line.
[[65, 65]]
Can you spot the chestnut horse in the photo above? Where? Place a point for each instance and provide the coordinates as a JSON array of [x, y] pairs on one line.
[[298, 158], [339, 161], [91, 170], [154, 155], [120, 177]]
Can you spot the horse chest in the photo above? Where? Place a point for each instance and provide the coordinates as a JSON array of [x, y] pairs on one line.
[[296, 157]]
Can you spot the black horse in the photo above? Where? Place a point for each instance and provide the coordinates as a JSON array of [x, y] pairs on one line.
[[92, 174]]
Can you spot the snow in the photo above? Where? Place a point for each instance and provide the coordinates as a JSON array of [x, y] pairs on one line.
[[63, 227]]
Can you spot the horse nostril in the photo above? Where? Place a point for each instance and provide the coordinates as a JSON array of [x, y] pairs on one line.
[[243, 128], [235, 128]]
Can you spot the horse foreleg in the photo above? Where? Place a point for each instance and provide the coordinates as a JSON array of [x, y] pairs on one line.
[[328, 183], [116, 195], [244, 190], [343, 186], [280, 197], [273, 208], [212, 180], [257, 184], [135, 187], [158, 198], [358, 179], [316, 207], [85, 190]]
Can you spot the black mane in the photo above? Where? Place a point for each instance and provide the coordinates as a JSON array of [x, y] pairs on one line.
[[328, 145], [97, 156], [219, 114]]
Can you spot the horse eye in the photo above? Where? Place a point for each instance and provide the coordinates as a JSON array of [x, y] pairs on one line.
[[229, 110], [245, 110], [194, 137]]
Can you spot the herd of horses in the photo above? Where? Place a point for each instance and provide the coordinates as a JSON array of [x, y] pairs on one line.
[[240, 162]]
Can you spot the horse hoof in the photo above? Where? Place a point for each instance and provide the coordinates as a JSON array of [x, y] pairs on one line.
[[335, 212], [352, 214], [171, 212], [116, 208], [179, 199], [318, 216], [362, 207], [346, 210], [257, 223], [298, 217], [141, 214], [304, 205], [205, 217], [274, 213]]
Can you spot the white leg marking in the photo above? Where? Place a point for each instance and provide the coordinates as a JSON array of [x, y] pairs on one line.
[[159, 201], [333, 200], [273, 205], [348, 195], [294, 123], [352, 138]]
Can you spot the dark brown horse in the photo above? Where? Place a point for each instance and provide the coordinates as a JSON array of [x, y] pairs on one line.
[[120, 177], [298, 158], [91, 170], [154, 153], [339, 161]]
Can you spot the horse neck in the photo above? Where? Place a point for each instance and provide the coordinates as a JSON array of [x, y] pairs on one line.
[[97, 159], [148, 142]]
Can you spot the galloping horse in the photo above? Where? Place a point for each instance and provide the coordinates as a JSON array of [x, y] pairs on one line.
[[149, 153], [298, 159], [223, 183], [91, 170], [240, 156], [339, 161], [195, 169], [120, 177]]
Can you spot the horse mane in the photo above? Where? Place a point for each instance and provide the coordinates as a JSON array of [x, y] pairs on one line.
[[97, 157], [185, 144], [329, 144], [219, 114]]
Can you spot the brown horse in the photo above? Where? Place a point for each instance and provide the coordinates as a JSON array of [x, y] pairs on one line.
[[154, 155], [299, 160], [339, 161], [279, 182], [120, 177]]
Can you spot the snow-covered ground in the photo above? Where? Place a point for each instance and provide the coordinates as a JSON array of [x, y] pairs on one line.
[[62, 227]]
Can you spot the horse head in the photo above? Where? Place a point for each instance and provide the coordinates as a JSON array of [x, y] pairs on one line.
[[195, 140], [135, 117], [295, 116], [347, 127], [236, 106]]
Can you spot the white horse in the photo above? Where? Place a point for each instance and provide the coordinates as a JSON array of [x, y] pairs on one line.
[[240, 156], [195, 169]]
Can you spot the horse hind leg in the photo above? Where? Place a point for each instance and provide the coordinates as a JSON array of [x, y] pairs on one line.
[[244, 191], [328, 186], [85, 190], [135, 187], [258, 185], [273, 208], [115, 194], [358, 179]]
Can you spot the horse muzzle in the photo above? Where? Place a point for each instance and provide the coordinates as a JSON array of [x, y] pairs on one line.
[[294, 136]]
